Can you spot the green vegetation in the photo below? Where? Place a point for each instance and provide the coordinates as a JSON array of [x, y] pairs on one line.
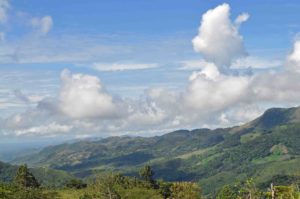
[[109, 185], [45, 176], [147, 175], [117, 186], [76, 184], [25, 179]]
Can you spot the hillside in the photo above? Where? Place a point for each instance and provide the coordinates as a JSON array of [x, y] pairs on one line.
[[266, 148], [45, 176]]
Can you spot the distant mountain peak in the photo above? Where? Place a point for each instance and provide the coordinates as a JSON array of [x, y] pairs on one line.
[[277, 116]]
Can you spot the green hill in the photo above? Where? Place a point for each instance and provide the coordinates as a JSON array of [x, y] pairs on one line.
[[45, 176], [267, 148]]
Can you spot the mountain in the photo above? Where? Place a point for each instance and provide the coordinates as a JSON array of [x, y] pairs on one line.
[[45, 176], [267, 149]]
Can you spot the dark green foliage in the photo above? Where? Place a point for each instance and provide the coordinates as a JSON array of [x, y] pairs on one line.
[[275, 117], [76, 184], [231, 140], [147, 174], [228, 192], [25, 179], [130, 159], [117, 186], [281, 180], [165, 189], [7, 172]]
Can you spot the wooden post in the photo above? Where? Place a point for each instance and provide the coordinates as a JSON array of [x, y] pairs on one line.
[[272, 191]]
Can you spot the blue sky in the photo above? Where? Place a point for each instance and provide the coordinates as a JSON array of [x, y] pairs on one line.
[[142, 55]]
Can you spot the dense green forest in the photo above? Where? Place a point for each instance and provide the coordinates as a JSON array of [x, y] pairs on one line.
[[117, 186]]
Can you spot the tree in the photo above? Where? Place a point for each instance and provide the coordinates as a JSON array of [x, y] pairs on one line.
[[228, 192], [249, 190], [25, 179], [104, 187], [147, 174]]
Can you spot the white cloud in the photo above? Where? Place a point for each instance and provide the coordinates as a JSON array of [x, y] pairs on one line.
[[83, 96], [256, 62], [218, 39], [242, 18], [148, 115], [210, 71], [122, 66], [4, 5], [49, 129], [293, 60], [276, 87], [43, 25], [279, 87], [240, 63], [240, 113], [28, 98], [193, 64], [211, 91]]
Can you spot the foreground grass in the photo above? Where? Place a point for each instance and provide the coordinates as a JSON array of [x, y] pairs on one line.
[[134, 193], [70, 193]]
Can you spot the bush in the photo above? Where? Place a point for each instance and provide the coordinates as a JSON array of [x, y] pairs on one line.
[[185, 190], [76, 184]]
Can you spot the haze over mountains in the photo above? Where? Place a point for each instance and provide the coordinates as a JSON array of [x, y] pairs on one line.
[[264, 149]]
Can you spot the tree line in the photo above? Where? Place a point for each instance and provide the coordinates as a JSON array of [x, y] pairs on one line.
[[118, 186]]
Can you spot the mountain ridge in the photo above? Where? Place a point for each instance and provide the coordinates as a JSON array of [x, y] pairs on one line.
[[204, 155]]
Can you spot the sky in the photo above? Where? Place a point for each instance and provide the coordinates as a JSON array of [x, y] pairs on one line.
[[77, 69]]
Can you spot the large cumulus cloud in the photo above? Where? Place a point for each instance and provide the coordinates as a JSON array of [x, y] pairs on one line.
[[218, 39], [83, 96]]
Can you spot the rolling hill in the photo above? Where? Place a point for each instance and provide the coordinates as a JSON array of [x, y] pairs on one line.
[[45, 176], [267, 149]]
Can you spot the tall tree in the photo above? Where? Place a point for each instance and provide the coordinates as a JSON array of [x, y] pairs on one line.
[[147, 174], [24, 178], [104, 187]]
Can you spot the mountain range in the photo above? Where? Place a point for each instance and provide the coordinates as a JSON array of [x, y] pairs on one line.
[[266, 149]]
